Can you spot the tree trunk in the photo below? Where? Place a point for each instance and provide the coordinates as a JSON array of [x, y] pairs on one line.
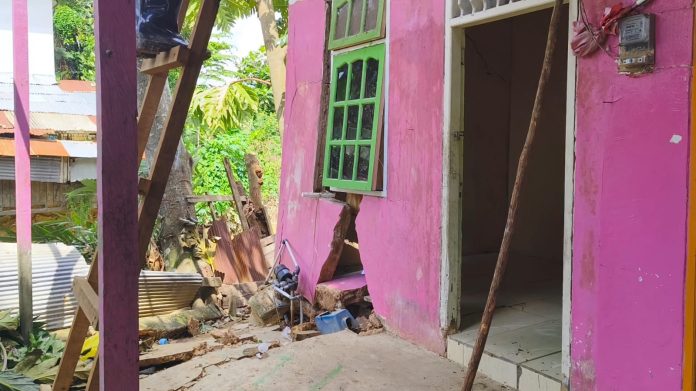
[[275, 55], [174, 205]]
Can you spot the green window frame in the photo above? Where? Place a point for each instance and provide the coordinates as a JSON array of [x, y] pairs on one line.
[[353, 129], [355, 21]]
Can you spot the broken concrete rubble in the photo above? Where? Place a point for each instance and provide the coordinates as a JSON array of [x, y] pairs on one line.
[[341, 292]]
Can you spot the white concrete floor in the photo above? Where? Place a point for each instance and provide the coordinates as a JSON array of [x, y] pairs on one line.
[[340, 361], [523, 350]]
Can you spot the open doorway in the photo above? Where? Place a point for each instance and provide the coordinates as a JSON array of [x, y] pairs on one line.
[[501, 63]]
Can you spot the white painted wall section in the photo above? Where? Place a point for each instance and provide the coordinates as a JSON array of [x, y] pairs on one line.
[[41, 49]]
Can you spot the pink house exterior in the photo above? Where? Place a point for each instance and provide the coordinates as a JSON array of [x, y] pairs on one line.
[[630, 198]]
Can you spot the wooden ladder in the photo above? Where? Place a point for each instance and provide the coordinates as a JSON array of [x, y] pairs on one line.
[[190, 60]]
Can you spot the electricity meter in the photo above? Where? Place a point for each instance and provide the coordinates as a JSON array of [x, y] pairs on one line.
[[637, 44]]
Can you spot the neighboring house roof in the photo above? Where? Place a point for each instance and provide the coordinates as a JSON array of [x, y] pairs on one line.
[[67, 107], [67, 97]]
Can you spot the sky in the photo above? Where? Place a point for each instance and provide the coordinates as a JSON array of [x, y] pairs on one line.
[[246, 36]]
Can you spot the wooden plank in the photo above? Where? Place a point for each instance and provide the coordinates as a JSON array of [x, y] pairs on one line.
[[20, 34], [87, 298], [93, 380], [33, 211], [164, 61], [209, 198], [174, 126], [117, 189], [148, 109], [236, 194], [76, 338]]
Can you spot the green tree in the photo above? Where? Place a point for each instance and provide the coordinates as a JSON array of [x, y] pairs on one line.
[[73, 24]]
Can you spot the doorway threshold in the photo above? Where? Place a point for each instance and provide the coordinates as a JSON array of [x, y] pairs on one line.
[[523, 349]]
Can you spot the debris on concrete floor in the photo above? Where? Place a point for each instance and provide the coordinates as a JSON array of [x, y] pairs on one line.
[[340, 361]]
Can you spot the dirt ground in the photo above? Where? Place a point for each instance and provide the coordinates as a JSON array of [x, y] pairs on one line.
[[340, 361]]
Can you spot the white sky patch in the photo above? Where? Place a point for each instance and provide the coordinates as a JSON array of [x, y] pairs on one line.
[[246, 36], [676, 139]]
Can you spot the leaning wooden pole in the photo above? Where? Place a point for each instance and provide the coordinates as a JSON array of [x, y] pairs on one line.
[[20, 38], [502, 262]]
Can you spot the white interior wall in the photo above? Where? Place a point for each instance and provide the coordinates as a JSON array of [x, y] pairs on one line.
[[502, 62], [41, 46]]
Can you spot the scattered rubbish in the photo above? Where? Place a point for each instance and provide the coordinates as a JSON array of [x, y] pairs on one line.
[[304, 331], [157, 26], [163, 341], [261, 350], [286, 333], [172, 352], [334, 322]]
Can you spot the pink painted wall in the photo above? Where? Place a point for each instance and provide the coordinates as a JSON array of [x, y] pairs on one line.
[[630, 214], [399, 235]]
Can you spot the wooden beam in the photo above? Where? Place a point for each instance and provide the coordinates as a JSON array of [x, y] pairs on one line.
[[117, 194], [148, 109], [76, 338], [33, 211], [164, 61], [236, 194], [173, 128], [20, 36], [209, 198], [87, 299]]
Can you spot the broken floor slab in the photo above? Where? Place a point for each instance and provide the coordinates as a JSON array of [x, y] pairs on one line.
[[340, 361]]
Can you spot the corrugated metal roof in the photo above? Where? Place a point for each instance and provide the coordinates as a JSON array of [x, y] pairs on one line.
[[54, 267], [53, 98], [51, 122], [36, 148], [77, 86], [82, 149], [43, 169], [164, 292]]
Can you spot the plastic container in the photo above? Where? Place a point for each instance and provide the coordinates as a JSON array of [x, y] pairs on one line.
[[333, 322], [157, 26]]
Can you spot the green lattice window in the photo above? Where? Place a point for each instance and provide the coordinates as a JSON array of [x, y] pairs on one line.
[[355, 21], [354, 125]]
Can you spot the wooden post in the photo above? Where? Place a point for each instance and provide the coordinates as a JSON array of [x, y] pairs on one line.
[[501, 264], [117, 194], [236, 194], [20, 36]]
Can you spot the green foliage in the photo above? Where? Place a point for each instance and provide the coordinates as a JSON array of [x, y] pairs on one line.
[[11, 381], [254, 67], [75, 227], [232, 10], [224, 107], [73, 24], [8, 322]]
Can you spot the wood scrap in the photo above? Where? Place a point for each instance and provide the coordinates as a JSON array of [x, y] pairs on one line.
[[176, 323], [173, 352]]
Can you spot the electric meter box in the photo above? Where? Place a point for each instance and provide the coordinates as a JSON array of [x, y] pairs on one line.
[[637, 44]]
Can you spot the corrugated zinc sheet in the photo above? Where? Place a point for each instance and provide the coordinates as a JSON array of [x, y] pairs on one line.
[[54, 267], [163, 292], [52, 99], [43, 169], [52, 121]]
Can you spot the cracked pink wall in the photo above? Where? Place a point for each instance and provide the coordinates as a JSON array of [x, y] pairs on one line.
[[399, 235], [629, 246]]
